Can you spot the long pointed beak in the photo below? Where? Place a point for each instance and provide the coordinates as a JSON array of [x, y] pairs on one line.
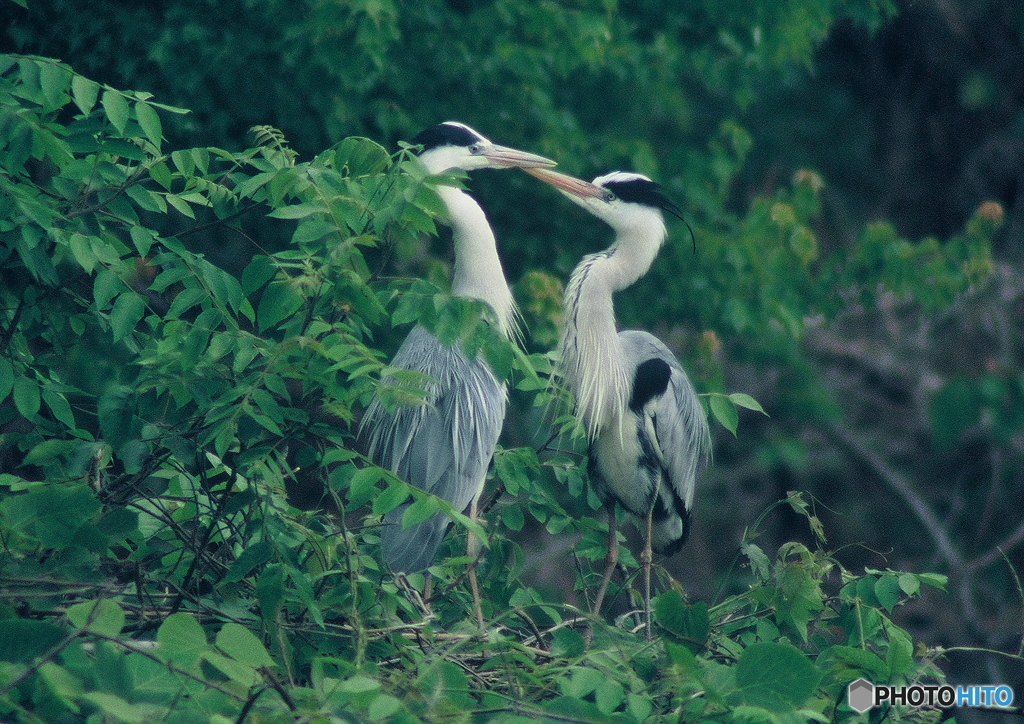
[[569, 185], [506, 157]]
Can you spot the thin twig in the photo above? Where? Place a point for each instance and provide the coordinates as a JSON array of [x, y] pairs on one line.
[[1011, 541]]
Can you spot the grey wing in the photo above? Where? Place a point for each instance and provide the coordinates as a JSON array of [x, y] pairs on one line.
[[443, 447], [679, 428], [683, 434]]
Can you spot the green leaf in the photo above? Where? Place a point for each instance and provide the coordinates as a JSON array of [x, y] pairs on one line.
[[186, 299], [760, 564], [115, 707], [200, 156], [608, 696], [59, 407], [22, 640], [775, 676], [639, 706], [54, 81], [858, 662], [724, 410], [105, 288], [909, 584], [253, 556], [418, 511], [361, 156], [184, 162], [935, 580], [261, 269], [298, 211], [900, 654], [581, 682], [149, 119], [234, 670], [573, 709], [180, 204], [363, 485], [887, 590], [304, 588], [359, 684], [243, 646], [142, 238], [160, 173], [82, 249], [741, 399], [116, 107], [101, 616], [512, 516], [181, 639], [222, 286], [26, 397], [510, 467], [691, 624], [126, 314], [422, 295], [383, 706], [498, 353], [866, 590], [804, 244], [312, 229], [390, 498], [55, 515], [800, 595], [448, 680], [567, 643], [62, 684], [681, 656], [50, 451], [278, 302]]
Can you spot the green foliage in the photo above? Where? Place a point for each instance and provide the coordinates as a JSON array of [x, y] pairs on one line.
[[374, 67], [157, 408]]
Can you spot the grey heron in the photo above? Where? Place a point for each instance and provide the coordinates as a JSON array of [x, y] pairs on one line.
[[445, 446], [647, 429]]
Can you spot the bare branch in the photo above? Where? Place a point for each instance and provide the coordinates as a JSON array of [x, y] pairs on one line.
[[900, 485]]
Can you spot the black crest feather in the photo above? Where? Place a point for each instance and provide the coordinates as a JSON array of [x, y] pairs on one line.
[[445, 134], [649, 193]]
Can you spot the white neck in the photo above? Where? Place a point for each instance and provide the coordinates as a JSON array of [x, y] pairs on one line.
[[592, 359], [478, 273]]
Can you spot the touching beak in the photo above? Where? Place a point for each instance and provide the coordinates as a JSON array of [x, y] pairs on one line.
[[505, 157], [573, 187]]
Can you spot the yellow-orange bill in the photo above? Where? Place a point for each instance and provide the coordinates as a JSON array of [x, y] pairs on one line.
[[512, 157], [569, 184]]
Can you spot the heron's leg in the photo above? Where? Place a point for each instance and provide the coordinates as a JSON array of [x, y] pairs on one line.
[[645, 559], [474, 584], [611, 561]]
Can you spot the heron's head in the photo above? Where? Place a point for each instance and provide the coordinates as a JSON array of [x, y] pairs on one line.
[[453, 145], [624, 201]]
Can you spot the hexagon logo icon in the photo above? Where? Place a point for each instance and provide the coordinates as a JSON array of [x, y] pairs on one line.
[[860, 695]]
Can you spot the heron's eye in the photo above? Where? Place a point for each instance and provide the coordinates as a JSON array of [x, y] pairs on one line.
[[608, 197], [476, 149]]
